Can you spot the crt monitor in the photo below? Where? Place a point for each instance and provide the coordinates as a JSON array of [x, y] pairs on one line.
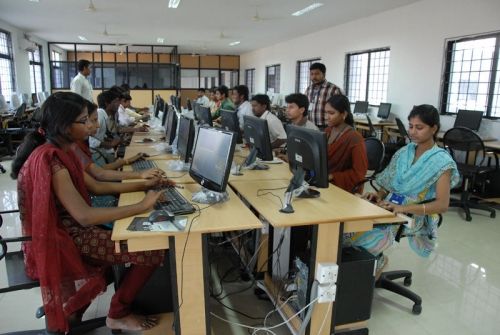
[[170, 125], [256, 132], [384, 110], [361, 107], [212, 158], [185, 138], [203, 116], [307, 157], [468, 119], [230, 122]]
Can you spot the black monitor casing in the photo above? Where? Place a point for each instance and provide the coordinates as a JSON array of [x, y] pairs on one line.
[[256, 132], [203, 116], [185, 138], [170, 125]]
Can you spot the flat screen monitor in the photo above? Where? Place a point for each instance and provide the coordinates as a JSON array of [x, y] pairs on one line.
[[164, 112], [361, 107], [212, 158], [307, 157], [170, 125], [185, 138], [160, 105], [468, 119], [384, 110], [256, 132], [204, 116], [195, 109], [189, 106], [230, 122]]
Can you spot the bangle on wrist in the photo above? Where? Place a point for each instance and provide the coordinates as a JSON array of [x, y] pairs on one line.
[[423, 207]]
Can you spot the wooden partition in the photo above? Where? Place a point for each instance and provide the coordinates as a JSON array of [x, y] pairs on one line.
[[165, 94], [229, 62], [188, 93]]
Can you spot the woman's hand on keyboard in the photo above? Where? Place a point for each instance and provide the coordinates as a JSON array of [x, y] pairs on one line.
[[150, 199], [152, 173]]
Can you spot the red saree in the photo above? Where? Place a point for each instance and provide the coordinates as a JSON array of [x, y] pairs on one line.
[[347, 161], [67, 284]]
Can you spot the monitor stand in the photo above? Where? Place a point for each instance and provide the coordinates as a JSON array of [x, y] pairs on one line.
[[251, 163], [178, 166], [209, 197], [298, 187]]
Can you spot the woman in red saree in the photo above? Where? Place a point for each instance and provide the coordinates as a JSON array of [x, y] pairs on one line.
[[69, 252], [347, 160]]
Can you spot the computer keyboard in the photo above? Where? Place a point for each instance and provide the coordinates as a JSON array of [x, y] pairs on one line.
[[143, 165], [174, 202]]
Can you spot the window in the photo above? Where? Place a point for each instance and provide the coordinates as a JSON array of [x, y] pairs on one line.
[[303, 74], [36, 69], [250, 80], [367, 75], [189, 78], [7, 79], [273, 78], [57, 72], [209, 78], [471, 78], [230, 78]]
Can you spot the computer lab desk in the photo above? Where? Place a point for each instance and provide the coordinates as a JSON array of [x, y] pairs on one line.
[[191, 265], [335, 212]]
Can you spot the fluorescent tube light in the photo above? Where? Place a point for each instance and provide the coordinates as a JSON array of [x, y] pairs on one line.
[[307, 9], [82, 38], [234, 43], [173, 3], [160, 40]]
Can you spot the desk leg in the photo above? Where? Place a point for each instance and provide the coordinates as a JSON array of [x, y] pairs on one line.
[[326, 251], [191, 284]]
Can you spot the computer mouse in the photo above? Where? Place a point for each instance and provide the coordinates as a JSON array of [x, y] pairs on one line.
[[160, 215], [147, 139]]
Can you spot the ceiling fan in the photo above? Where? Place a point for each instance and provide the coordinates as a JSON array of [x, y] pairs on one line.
[[91, 8], [105, 32]]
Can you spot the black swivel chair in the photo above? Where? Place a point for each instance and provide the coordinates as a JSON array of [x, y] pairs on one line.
[[372, 132], [402, 130], [375, 153], [468, 151]]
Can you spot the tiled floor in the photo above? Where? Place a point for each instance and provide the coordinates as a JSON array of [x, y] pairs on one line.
[[459, 285]]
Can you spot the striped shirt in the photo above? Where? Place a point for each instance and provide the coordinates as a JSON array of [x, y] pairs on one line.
[[318, 95]]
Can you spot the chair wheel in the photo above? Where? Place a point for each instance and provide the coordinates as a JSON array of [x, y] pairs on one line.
[[407, 281], [417, 309], [493, 215]]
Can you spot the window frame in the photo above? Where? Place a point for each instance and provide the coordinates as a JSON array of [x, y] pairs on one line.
[[347, 71], [251, 84], [494, 72], [278, 67], [298, 73], [33, 64], [9, 57]]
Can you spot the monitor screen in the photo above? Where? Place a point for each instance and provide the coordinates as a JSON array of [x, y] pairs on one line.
[[256, 132], [189, 105], [203, 116], [307, 149], [361, 107], [384, 110], [230, 122], [468, 119], [170, 125], [212, 158], [185, 138]]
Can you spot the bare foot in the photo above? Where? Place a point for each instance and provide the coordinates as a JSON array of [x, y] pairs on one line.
[[132, 322]]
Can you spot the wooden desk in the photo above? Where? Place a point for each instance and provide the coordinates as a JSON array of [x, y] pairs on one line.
[[377, 124], [276, 171], [494, 145], [189, 250], [181, 177], [331, 213], [153, 149]]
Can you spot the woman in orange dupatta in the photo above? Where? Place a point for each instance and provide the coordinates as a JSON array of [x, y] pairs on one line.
[[347, 160], [69, 252]]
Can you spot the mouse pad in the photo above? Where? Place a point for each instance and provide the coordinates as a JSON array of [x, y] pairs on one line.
[[142, 224]]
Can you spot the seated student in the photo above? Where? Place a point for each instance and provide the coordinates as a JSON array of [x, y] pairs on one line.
[[417, 181], [124, 118], [297, 106], [240, 100], [68, 252], [142, 110], [347, 160], [261, 106], [201, 98], [222, 95], [214, 104], [113, 124]]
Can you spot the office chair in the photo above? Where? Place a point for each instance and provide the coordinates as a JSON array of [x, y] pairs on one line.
[[402, 130], [372, 132], [17, 280], [468, 151], [375, 151]]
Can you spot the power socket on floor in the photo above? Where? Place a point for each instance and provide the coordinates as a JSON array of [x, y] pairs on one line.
[[326, 293]]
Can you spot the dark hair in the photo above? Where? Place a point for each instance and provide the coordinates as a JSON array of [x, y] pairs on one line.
[[222, 89], [428, 114], [201, 90], [125, 86], [82, 64], [91, 107], [318, 66], [118, 91], [59, 112], [242, 90], [262, 99], [127, 96], [300, 100], [341, 103]]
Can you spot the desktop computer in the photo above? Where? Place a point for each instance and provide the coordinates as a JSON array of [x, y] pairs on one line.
[[360, 107], [185, 139], [170, 125], [384, 110], [256, 132], [203, 115], [230, 122]]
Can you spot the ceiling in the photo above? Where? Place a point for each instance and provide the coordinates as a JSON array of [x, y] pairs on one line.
[[196, 26]]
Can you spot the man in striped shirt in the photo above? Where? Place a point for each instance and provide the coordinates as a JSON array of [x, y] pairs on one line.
[[318, 94]]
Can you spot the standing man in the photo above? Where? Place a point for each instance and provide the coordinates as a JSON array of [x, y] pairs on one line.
[[202, 99], [80, 84], [318, 94], [240, 100]]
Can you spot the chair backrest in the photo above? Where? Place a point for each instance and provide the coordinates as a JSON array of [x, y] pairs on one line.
[[402, 129], [465, 146], [37, 115], [20, 111], [373, 132], [375, 152]]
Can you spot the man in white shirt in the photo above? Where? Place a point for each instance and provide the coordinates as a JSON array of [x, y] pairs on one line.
[[124, 117], [108, 103], [80, 84], [297, 109], [243, 106], [202, 98], [261, 106]]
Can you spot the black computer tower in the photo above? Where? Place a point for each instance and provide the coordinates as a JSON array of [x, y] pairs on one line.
[[355, 284]]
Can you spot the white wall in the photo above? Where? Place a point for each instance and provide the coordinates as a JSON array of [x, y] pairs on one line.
[[416, 35], [21, 60]]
